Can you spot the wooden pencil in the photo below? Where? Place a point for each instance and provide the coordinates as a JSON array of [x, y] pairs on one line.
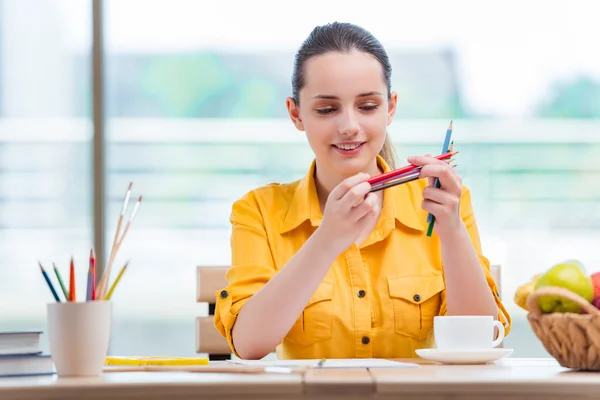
[[47, 279], [395, 182], [114, 285], [407, 169], [60, 281], [72, 292], [90, 282], [436, 182], [93, 262]]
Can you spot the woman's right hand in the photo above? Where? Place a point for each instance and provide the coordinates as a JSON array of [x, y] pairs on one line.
[[349, 209]]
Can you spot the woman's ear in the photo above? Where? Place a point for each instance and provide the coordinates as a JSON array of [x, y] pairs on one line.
[[294, 113], [392, 107]]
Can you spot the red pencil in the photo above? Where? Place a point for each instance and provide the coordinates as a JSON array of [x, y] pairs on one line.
[[72, 296], [406, 169], [93, 267]]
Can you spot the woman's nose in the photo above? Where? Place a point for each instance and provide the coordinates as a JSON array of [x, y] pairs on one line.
[[349, 124]]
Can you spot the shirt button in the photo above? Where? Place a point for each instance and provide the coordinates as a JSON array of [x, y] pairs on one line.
[[365, 340], [224, 294], [361, 293], [416, 297]]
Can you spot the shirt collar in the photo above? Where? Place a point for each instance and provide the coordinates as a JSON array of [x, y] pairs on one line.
[[398, 203]]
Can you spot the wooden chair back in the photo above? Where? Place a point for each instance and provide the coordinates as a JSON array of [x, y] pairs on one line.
[[208, 339]]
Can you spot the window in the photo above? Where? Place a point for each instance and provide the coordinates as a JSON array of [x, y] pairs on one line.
[[45, 151]]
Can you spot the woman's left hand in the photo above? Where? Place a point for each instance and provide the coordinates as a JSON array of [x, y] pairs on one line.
[[443, 202]]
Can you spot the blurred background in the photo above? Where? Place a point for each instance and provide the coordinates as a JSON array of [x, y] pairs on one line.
[[194, 97]]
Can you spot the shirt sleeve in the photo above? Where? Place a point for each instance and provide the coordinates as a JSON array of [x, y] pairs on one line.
[[468, 217], [251, 264]]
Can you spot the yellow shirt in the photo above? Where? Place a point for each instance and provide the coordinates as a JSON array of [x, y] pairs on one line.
[[377, 300]]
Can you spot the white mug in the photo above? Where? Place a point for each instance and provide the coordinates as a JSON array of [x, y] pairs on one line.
[[460, 332], [79, 335]]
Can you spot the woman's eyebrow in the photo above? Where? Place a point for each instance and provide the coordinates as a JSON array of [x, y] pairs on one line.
[[331, 97]]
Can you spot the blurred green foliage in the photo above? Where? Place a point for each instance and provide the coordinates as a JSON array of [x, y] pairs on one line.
[[255, 85], [577, 98]]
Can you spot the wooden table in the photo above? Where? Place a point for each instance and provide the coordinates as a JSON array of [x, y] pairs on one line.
[[507, 379]]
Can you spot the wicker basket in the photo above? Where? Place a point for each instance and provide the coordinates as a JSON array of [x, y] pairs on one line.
[[572, 339]]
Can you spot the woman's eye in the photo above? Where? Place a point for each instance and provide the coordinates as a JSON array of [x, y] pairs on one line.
[[369, 108], [324, 111]]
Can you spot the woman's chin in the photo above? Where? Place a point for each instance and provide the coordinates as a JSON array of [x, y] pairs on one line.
[[352, 167]]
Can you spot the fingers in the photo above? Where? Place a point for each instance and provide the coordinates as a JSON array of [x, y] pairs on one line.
[[349, 184], [433, 168], [420, 161], [457, 176], [367, 207], [430, 180], [442, 212], [434, 208], [357, 194], [449, 180], [442, 197]]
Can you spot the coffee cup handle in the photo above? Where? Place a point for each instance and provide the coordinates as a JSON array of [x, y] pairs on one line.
[[500, 337]]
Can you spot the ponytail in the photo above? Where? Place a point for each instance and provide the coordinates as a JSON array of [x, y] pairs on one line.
[[388, 153]]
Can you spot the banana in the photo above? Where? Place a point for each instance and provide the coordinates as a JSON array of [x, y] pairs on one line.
[[524, 291]]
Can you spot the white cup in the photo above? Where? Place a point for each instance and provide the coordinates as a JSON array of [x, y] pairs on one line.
[[79, 335], [466, 332]]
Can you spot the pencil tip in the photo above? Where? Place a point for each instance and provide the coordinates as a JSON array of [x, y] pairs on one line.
[[130, 185], [140, 199]]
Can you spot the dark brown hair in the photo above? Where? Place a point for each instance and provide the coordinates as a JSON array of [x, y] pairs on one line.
[[343, 37]]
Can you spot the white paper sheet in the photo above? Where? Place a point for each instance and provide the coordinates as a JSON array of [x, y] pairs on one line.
[[329, 363]]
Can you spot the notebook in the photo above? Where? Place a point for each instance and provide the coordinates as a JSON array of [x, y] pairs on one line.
[[20, 342], [329, 363], [26, 365]]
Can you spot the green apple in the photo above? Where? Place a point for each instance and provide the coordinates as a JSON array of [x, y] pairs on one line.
[[577, 263], [570, 275]]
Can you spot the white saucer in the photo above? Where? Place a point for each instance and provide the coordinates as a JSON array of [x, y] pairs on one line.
[[471, 356]]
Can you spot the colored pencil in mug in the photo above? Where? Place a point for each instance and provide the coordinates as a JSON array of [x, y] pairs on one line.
[[90, 295], [93, 262], [60, 281], [90, 278], [72, 293], [436, 182], [47, 278], [114, 285]]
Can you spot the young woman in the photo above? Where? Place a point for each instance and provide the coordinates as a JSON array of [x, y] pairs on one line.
[[323, 268]]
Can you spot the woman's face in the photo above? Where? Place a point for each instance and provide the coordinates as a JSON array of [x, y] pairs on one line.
[[344, 110]]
